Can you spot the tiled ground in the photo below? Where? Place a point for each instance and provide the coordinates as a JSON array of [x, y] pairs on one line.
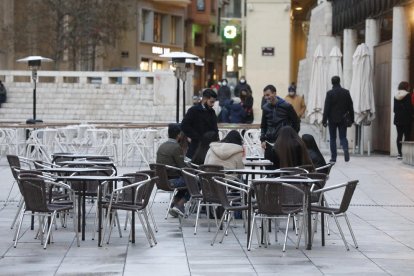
[[382, 215]]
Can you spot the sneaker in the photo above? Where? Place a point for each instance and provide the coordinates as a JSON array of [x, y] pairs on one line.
[[332, 160], [346, 155], [399, 156], [178, 211], [173, 212]]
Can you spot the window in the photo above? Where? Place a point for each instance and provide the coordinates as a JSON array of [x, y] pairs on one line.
[[198, 40], [146, 25], [156, 65], [144, 65], [157, 27], [201, 5]]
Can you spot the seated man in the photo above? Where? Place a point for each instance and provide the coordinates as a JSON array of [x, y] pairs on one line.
[[170, 153]]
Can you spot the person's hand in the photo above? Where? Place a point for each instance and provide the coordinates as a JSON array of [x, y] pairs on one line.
[[264, 145], [189, 139]]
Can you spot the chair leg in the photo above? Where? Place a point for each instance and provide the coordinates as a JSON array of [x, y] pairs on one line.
[[198, 214], [117, 223], [286, 233], [328, 231], [302, 229], [19, 210], [75, 225], [149, 226], [253, 225], [218, 228], [144, 229], [152, 219], [169, 204], [229, 219], [126, 221], [350, 230], [8, 195], [49, 230], [340, 231], [16, 237]]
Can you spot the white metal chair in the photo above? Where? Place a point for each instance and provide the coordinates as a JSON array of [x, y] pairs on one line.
[[252, 142]]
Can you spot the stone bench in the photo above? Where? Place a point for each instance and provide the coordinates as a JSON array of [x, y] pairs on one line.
[[408, 152]]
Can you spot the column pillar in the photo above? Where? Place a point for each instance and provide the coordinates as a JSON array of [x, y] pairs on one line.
[[350, 44], [400, 62], [372, 38]]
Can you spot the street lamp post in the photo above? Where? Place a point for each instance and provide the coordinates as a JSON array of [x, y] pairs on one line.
[[178, 60], [34, 63]]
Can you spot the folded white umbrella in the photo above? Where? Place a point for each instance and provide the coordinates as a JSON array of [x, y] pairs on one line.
[[335, 64], [361, 90], [317, 87]]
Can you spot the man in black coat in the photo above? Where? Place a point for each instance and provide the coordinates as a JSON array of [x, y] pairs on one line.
[[338, 103], [276, 113], [200, 119]]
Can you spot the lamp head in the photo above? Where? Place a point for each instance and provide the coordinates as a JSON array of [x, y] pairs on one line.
[[34, 62]]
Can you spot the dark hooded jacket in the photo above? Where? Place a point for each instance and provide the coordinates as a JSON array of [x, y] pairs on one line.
[[274, 117]]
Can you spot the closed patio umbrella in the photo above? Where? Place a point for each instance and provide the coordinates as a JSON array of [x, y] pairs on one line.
[[361, 90], [317, 88], [335, 64]]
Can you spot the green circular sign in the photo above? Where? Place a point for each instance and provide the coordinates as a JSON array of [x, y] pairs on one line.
[[230, 32]]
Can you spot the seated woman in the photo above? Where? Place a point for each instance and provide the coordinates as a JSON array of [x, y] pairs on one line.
[[313, 150], [203, 147], [289, 150], [228, 152]]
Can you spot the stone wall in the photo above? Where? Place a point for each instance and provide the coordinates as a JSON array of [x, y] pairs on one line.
[[93, 96]]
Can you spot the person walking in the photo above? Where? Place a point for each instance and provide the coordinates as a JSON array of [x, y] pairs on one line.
[[223, 97], [276, 114], [338, 106], [200, 119], [298, 102], [402, 114], [247, 103]]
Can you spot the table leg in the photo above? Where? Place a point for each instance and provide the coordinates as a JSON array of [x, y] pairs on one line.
[[99, 215], [79, 210], [309, 245], [322, 224], [83, 211], [249, 216], [133, 227]]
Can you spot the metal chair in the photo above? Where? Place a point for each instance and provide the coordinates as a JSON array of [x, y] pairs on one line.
[[192, 182], [163, 184], [137, 201], [36, 199], [274, 202], [343, 207]]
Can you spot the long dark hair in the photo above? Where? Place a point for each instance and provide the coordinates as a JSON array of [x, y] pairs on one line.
[[311, 145], [233, 137], [290, 149], [203, 147]]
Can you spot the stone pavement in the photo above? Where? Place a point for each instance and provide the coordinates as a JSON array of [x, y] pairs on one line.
[[381, 213]]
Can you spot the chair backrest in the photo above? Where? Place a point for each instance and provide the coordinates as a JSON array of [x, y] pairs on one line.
[[210, 168], [308, 167], [293, 170], [272, 196], [291, 197], [347, 197], [138, 177], [14, 162], [325, 169], [162, 180], [144, 191], [191, 181], [222, 186], [34, 192], [208, 186]]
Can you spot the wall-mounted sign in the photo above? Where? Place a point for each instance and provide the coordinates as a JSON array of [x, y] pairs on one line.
[[268, 51], [160, 50]]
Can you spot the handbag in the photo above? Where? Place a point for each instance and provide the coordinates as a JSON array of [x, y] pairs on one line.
[[347, 119]]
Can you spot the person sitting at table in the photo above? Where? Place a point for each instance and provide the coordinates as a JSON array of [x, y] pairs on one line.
[[170, 153], [228, 152], [204, 145], [289, 149], [313, 150]]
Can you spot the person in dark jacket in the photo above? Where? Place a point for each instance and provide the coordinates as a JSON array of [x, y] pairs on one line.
[[276, 114], [242, 85], [236, 111], [200, 119], [3, 93], [224, 97], [402, 114], [203, 147], [338, 102], [314, 153], [247, 103]]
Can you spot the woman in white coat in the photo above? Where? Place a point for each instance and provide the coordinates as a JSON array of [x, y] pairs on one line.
[[228, 152]]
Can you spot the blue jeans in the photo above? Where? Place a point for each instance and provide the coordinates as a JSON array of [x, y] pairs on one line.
[[342, 138], [177, 183]]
